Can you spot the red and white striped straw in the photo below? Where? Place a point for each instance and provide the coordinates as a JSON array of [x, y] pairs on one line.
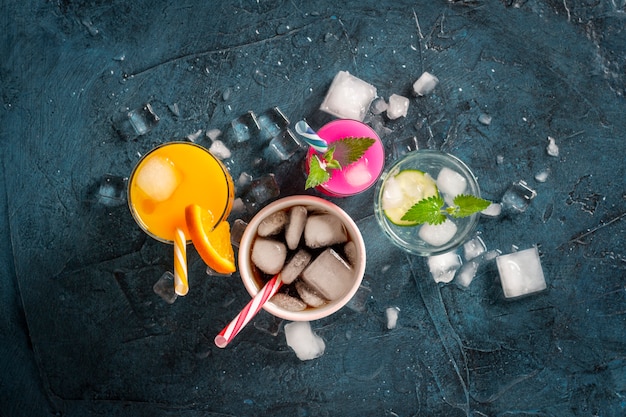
[[181, 284], [249, 311]]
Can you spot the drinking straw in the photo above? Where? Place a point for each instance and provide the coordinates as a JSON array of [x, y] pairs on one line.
[[249, 311], [309, 135], [181, 284]]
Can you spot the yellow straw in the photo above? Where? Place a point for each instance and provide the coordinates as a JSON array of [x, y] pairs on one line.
[[181, 284]]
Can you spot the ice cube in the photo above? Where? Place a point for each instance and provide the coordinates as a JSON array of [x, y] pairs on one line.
[[268, 255], [329, 275], [391, 313], [263, 189], [451, 182], [295, 266], [285, 144], [493, 210], [311, 297], [236, 231], [474, 247], [425, 84], [378, 106], [193, 137], [467, 272], [542, 176], [402, 146], [358, 302], [164, 288], [272, 122], [357, 174], [220, 150], [398, 106], [136, 122], [324, 230], [213, 273], [245, 127], [213, 134], [111, 191], [443, 267], [484, 119], [158, 178], [297, 220], [552, 148], [438, 235], [521, 273], [272, 224], [350, 250], [306, 344], [348, 97], [288, 302], [517, 197]]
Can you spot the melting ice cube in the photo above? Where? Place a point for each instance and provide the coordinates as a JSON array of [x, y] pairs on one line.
[[268, 255], [398, 106], [306, 344], [443, 267], [324, 230], [297, 220], [438, 235], [158, 178], [451, 182], [329, 275], [425, 84], [521, 273], [392, 317], [517, 197], [164, 288], [348, 97]]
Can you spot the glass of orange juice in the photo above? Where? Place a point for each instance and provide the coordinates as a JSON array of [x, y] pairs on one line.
[[171, 177]]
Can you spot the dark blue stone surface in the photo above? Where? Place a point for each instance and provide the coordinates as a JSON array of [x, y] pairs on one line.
[[84, 334]]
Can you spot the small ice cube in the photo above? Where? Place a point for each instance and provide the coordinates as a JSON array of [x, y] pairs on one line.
[[438, 235], [443, 267], [474, 247], [393, 194], [329, 275], [466, 273], [378, 106], [136, 122], [517, 197], [272, 224], [484, 119], [306, 344], [311, 297], [213, 134], [272, 122], [288, 302], [493, 210], [552, 148], [402, 146], [111, 191], [499, 159], [521, 273], [220, 150], [451, 182], [297, 220], [425, 84], [359, 301], [244, 179], [269, 255], [398, 106], [542, 175], [348, 97], [324, 230], [295, 266], [245, 127], [164, 288], [236, 231], [350, 250], [285, 144], [357, 174], [392, 317], [193, 137], [158, 178], [263, 189]]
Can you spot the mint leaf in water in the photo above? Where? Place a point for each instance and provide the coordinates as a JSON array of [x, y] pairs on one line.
[[466, 205], [317, 174], [351, 149], [427, 210]]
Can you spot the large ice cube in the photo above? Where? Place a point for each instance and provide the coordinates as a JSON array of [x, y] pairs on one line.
[[348, 97], [324, 230], [268, 255], [329, 275], [438, 235], [297, 220], [158, 178], [306, 344], [443, 267], [521, 273], [295, 266]]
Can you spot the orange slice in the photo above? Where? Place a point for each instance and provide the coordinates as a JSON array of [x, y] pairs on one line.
[[212, 243]]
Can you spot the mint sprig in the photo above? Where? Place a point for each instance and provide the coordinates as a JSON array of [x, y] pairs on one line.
[[431, 210], [344, 152]]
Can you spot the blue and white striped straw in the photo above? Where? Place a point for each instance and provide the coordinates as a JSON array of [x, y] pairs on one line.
[[303, 129]]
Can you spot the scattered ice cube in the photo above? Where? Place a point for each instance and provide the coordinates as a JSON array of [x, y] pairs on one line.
[[288, 302], [443, 267], [425, 84], [268, 255], [324, 230], [193, 137], [542, 175], [272, 122], [236, 231], [521, 273], [402, 146], [484, 119], [311, 297], [438, 235], [244, 179], [358, 302], [357, 174], [164, 288], [552, 148], [158, 178], [220, 150], [466, 273], [329, 275], [473, 248], [306, 344], [285, 144], [239, 206], [499, 159], [111, 191], [295, 266], [398, 106], [378, 106], [245, 127], [213, 134], [174, 108], [272, 224], [493, 210], [348, 97], [517, 197], [136, 122], [263, 189], [451, 182], [392, 317], [297, 221]]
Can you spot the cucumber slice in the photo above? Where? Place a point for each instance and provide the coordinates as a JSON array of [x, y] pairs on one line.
[[403, 190]]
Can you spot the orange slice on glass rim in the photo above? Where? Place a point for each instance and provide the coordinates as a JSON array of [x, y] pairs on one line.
[[211, 241]]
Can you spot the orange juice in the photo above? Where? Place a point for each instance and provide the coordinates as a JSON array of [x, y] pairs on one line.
[[168, 179]]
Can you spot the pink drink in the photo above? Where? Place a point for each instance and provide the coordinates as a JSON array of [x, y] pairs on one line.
[[360, 175]]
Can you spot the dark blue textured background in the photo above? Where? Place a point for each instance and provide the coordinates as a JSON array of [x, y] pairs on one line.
[[82, 333]]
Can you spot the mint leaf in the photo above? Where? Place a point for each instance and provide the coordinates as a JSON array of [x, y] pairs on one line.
[[427, 210], [351, 149], [466, 205], [317, 174]]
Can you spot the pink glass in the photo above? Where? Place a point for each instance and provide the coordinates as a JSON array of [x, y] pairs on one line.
[[356, 177]]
